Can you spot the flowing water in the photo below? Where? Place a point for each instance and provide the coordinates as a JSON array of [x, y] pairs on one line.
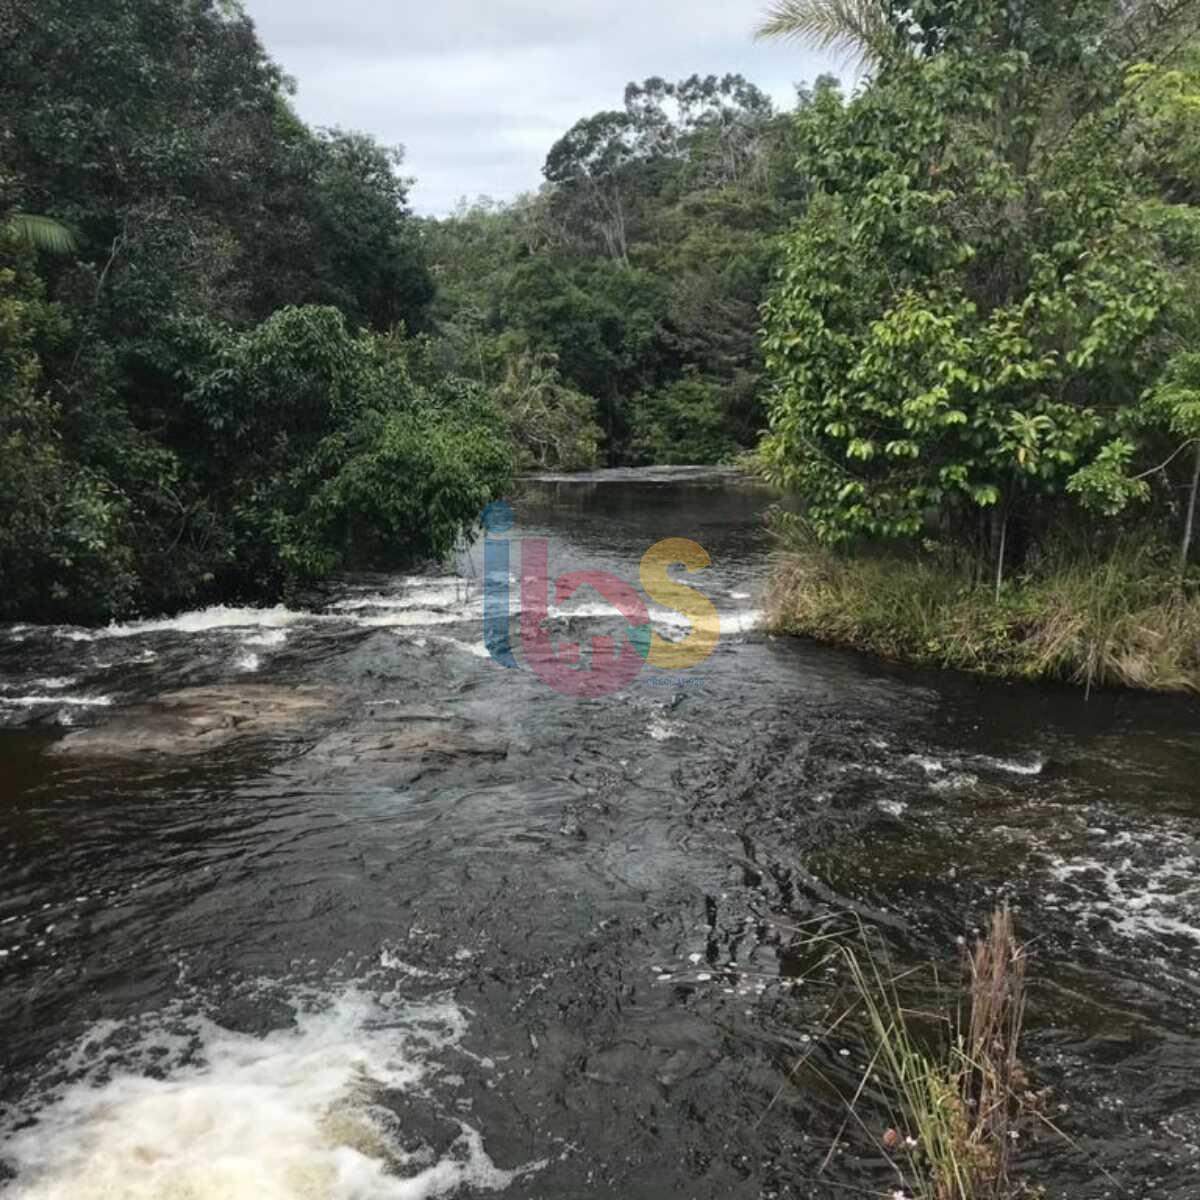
[[567, 967]]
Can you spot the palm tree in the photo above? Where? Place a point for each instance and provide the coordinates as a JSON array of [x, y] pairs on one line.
[[865, 31], [860, 28], [42, 233]]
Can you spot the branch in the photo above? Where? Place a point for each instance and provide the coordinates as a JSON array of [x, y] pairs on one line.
[[1165, 465]]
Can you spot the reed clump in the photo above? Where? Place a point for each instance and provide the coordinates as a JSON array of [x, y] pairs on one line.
[[943, 1096]]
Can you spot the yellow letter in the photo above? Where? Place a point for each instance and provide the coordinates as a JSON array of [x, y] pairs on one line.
[[661, 588]]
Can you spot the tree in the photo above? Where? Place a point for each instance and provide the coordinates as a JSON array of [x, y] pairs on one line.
[[328, 450], [860, 28], [552, 424], [600, 320], [589, 166], [639, 266], [1086, 37], [61, 547], [1157, 452], [369, 257], [42, 233], [682, 424], [976, 300]]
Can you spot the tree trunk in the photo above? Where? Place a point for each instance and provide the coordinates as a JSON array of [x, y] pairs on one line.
[[1000, 555], [1189, 528]]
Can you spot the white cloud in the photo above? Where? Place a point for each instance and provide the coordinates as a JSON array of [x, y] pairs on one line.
[[478, 90]]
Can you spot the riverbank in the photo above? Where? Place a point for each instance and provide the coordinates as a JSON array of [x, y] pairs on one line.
[[1124, 620]]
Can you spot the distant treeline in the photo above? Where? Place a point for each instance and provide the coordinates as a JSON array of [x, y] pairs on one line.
[[616, 310]]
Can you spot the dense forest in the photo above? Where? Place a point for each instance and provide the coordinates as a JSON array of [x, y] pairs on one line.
[[210, 379], [232, 360], [951, 309]]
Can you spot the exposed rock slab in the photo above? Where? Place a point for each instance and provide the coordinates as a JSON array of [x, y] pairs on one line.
[[199, 720]]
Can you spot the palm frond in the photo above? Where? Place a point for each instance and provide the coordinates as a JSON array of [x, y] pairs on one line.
[[43, 233], [856, 27]]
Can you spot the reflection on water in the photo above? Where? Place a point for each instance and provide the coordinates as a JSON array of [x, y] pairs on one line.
[[558, 970]]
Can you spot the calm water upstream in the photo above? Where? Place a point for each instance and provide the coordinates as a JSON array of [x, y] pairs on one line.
[[564, 967]]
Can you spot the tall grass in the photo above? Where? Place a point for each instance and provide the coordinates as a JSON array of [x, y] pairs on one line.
[[1123, 618]]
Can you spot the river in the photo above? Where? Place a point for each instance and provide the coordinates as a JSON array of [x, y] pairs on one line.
[[567, 967]]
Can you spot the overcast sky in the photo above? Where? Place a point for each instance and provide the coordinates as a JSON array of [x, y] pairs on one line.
[[478, 90]]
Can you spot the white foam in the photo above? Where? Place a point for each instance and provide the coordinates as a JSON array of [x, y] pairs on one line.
[[475, 649], [292, 1116], [666, 619], [957, 781], [271, 640], [581, 610], [67, 701], [409, 618], [669, 618], [1159, 897], [362, 602], [448, 593], [267, 627], [202, 621], [391, 961], [248, 662], [931, 766], [1011, 766], [662, 730], [741, 622], [52, 684], [418, 603]]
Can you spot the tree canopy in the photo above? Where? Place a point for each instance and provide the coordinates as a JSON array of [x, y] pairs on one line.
[[201, 388], [638, 269], [982, 325]]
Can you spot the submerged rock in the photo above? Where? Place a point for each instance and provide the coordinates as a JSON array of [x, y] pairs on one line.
[[412, 735], [197, 720]]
